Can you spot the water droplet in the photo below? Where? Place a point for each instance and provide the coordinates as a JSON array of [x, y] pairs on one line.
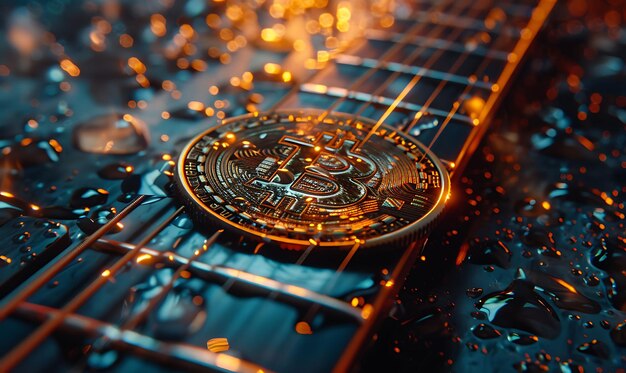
[[610, 256], [88, 197], [567, 192], [543, 240], [180, 313], [485, 331], [187, 114], [102, 360], [424, 123], [474, 292], [154, 183], [519, 306], [115, 171], [563, 294], [183, 222], [97, 219], [567, 367], [111, 134], [618, 335], [522, 339], [559, 144], [22, 237], [27, 258], [530, 207], [595, 348], [490, 252], [30, 153]]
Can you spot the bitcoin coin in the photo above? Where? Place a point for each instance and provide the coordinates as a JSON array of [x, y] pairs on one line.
[[288, 179]]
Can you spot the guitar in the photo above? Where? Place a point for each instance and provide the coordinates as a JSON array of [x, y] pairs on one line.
[[202, 239]]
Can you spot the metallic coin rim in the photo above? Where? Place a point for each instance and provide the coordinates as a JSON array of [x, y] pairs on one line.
[[402, 236]]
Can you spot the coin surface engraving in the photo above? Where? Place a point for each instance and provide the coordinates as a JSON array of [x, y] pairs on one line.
[[285, 178]]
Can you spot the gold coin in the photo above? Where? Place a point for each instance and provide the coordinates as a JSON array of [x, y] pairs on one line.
[[284, 178]]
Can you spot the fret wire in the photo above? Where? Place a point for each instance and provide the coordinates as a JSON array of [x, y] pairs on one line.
[[399, 67], [383, 101], [408, 61], [289, 294], [19, 352], [437, 43], [141, 345], [456, 20], [49, 273], [226, 286]]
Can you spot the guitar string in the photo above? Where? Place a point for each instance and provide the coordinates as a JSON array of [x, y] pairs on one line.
[[539, 14], [386, 55]]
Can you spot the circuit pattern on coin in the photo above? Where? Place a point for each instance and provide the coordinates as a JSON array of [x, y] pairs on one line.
[[286, 178]]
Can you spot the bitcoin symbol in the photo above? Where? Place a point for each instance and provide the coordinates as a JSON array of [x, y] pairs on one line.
[[326, 169]]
